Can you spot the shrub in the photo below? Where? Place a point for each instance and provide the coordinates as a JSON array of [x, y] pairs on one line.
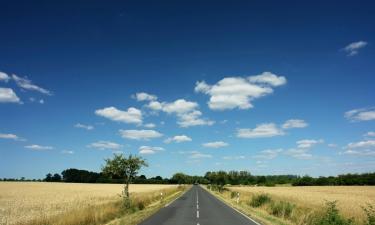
[[331, 217], [233, 194], [370, 214], [259, 200], [282, 209]]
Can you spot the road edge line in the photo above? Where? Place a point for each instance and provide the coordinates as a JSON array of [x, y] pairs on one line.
[[227, 204]]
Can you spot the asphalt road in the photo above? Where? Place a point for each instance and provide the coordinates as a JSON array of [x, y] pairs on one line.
[[197, 207]]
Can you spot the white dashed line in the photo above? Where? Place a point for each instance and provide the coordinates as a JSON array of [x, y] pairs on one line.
[[197, 214]]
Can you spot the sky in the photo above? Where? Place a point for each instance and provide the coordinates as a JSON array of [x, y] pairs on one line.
[[192, 86]]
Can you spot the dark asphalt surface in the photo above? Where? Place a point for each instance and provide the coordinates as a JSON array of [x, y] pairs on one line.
[[197, 207]]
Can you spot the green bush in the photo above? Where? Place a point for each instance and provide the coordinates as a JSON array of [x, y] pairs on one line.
[[282, 209], [233, 194], [331, 217], [259, 200], [370, 213]]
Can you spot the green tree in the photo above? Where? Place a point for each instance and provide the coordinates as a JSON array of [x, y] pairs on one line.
[[126, 168]]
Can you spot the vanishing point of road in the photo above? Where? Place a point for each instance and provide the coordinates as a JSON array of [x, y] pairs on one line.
[[198, 207]]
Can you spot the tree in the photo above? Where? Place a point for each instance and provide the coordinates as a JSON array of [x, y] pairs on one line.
[[48, 177], [125, 168], [56, 178]]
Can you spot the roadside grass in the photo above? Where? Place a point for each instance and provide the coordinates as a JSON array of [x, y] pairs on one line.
[[142, 205], [268, 209]]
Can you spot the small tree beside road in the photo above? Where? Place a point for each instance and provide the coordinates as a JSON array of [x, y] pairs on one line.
[[126, 168]]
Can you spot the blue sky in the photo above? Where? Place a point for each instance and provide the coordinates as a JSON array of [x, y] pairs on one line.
[[192, 86]]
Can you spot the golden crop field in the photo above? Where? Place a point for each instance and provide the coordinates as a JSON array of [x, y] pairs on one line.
[[24, 201], [350, 199]]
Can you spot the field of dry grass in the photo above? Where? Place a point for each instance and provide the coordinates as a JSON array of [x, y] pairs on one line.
[[350, 199], [25, 201]]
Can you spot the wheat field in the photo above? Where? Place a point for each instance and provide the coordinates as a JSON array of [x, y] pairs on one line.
[[25, 201], [350, 199]]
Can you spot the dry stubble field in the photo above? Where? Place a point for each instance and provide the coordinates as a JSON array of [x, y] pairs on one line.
[[350, 199], [24, 201]]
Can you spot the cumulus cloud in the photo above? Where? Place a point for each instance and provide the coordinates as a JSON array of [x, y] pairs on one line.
[[67, 152], [142, 96], [302, 150], [294, 123], [132, 115], [239, 92], [199, 155], [269, 154], [140, 134], [4, 77], [38, 147], [363, 114], [233, 157], [10, 136], [178, 139], [361, 148], [103, 145], [260, 131], [7, 95], [215, 144], [148, 150], [149, 125], [308, 143], [83, 126], [27, 84], [370, 134], [353, 48], [186, 111]]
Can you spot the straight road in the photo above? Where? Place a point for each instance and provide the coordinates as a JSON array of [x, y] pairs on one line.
[[197, 207]]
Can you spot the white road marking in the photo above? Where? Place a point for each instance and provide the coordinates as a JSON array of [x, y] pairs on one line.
[[197, 206], [197, 214]]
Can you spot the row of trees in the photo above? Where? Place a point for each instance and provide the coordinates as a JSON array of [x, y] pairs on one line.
[[346, 179]]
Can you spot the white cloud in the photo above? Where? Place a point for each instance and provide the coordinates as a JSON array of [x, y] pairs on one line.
[[102, 145], [294, 123], [10, 136], [260, 131], [361, 148], [4, 77], [140, 134], [41, 101], [38, 147], [8, 95], [332, 145], [215, 144], [186, 112], [67, 152], [132, 115], [178, 139], [150, 125], [308, 143], [233, 157], [147, 150], [363, 114], [239, 92], [370, 134], [83, 126], [268, 78], [269, 154], [27, 84], [353, 48], [199, 155], [142, 96]]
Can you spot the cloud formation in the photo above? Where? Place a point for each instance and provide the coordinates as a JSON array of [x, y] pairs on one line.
[[268, 154], [143, 96], [10, 136], [7, 95], [302, 150], [39, 147], [103, 145], [294, 123], [239, 92], [362, 114], [215, 144], [148, 150], [186, 111], [4, 77], [27, 84], [260, 131], [140, 134], [178, 139], [132, 115], [361, 148], [354, 47], [83, 126]]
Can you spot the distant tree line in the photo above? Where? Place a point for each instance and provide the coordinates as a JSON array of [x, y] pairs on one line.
[[214, 177]]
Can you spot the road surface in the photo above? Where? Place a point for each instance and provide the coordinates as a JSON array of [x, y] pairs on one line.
[[197, 207]]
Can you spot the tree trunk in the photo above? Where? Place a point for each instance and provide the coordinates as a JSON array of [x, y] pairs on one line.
[[126, 188]]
